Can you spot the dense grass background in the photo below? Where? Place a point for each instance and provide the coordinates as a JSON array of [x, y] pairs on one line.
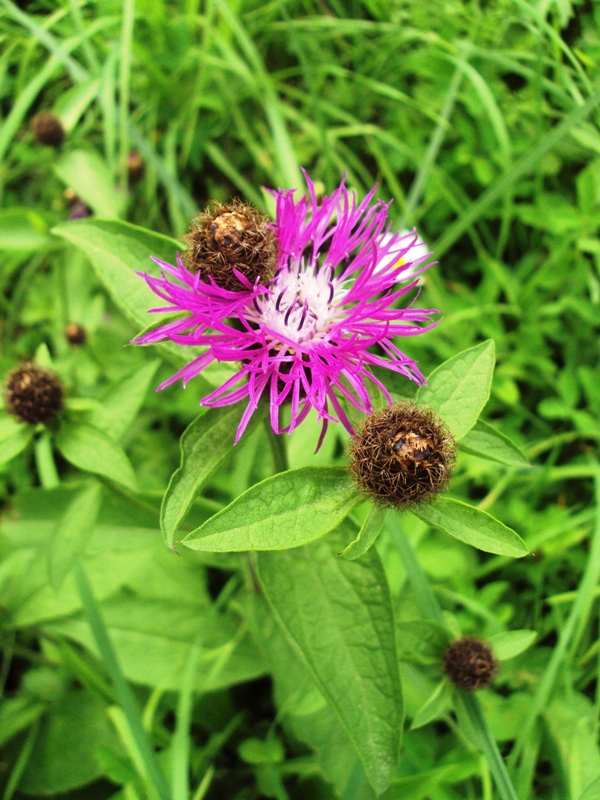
[[480, 120]]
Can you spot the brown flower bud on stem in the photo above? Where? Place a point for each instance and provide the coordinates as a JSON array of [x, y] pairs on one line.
[[33, 394], [135, 167], [227, 237], [75, 333], [469, 663], [48, 129], [402, 455]]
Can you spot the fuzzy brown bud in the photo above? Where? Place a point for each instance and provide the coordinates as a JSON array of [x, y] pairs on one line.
[[33, 394], [231, 236], [135, 167], [470, 664], [402, 455], [75, 333], [48, 129]]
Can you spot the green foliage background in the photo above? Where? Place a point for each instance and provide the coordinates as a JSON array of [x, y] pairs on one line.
[[480, 120]]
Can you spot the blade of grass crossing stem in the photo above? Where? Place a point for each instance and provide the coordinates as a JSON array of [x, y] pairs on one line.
[[21, 762], [570, 634], [433, 148], [126, 697], [180, 753], [519, 168], [124, 76], [432, 610]]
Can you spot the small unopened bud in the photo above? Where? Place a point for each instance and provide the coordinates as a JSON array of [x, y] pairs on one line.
[[402, 455], [33, 394], [75, 333], [469, 663], [48, 129], [227, 237], [135, 167]]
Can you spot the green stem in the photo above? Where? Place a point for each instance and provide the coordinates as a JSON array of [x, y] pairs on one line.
[[469, 703], [122, 688], [278, 449], [44, 461]]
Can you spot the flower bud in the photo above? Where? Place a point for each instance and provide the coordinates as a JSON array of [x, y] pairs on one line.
[[33, 394], [469, 663], [402, 455], [75, 333], [48, 129], [135, 167], [227, 237]]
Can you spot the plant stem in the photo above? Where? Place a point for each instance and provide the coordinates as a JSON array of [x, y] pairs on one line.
[[278, 449], [126, 697], [468, 703], [44, 461]]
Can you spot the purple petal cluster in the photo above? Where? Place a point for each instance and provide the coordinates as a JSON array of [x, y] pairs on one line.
[[309, 337]]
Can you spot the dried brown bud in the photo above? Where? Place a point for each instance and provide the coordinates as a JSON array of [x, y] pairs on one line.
[[75, 333], [402, 455], [470, 664], [227, 237], [47, 129], [135, 167], [33, 394]]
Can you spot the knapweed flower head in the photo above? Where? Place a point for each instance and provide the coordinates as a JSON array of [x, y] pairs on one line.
[[33, 394], [470, 663], [309, 335], [402, 456]]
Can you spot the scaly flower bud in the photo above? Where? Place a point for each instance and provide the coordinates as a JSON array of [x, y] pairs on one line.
[[48, 129], [229, 237], [33, 394], [403, 455], [75, 333], [469, 663]]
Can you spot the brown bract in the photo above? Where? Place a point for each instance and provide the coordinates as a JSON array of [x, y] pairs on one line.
[[403, 455], [48, 129], [33, 394], [75, 333], [470, 664], [228, 236]]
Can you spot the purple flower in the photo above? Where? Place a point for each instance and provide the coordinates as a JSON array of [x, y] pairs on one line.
[[310, 336]]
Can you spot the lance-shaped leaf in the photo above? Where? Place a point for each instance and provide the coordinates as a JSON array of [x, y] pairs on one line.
[[14, 437], [122, 403], [485, 441], [368, 533], [72, 533], [204, 445], [459, 388], [337, 615], [473, 526], [287, 510], [91, 450]]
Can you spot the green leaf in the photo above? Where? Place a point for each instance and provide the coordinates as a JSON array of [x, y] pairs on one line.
[[370, 530], [14, 438], [23, 230], [592, 791], [473, 526], [92, 450], [73, 103], [72, 533], [120, 406], [511, 643], [87, 175], [459, 388], [435, 706], [286, 510], [485, 441], [421, 641], [204, 445], [116, 250], [338, 617]]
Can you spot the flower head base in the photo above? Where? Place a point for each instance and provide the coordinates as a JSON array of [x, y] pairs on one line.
[[33, 394], [470, 663], [402, 456], [229, 239], [309, 335], [48, 129]]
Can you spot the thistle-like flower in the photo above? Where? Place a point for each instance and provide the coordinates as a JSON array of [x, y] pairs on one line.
[[470, 663], [309, 335]]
